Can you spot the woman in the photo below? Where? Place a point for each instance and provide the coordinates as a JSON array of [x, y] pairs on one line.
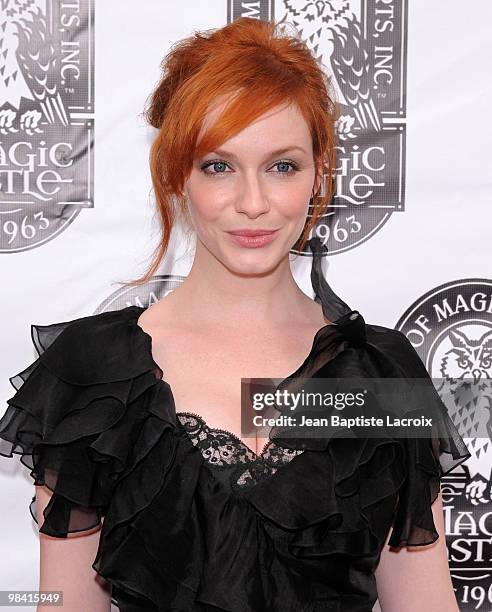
[[130, 420]]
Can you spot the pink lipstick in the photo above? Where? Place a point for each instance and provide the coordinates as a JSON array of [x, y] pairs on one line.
[[253, 238]]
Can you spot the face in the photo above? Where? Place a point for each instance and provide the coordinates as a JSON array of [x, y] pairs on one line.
[[261, 179]]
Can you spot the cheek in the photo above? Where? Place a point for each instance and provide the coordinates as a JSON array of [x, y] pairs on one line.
[[295, 203], [203, 206]]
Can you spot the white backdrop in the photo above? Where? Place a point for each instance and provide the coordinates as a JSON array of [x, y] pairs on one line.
[[434, 246]]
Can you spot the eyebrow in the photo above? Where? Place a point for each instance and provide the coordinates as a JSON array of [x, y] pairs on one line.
[[224, 153]]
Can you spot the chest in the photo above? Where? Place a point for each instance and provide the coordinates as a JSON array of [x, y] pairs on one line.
[[204, 371]]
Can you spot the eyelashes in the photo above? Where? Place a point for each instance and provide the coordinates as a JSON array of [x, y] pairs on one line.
[[204, 167]]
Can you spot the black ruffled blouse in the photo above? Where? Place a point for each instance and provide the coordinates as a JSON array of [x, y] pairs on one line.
[[194, 519]]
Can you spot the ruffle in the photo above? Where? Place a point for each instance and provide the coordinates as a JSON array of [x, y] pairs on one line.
[[337, 508], [427, 460], [85, 416], [412, 467]]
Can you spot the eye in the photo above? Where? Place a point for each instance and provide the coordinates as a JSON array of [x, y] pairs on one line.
[[463, 362], [219, 166], [293, 165], [215, 163]]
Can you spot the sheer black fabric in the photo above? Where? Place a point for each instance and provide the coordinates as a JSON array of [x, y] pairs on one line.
[[193, 519]]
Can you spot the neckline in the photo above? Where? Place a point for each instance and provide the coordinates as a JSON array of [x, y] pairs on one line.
[[334, 309], [139, 310]]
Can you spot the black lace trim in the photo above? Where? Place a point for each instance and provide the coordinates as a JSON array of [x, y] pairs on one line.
[[222, 449]]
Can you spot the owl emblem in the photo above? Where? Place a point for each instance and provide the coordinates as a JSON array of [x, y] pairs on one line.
[[463, 365]]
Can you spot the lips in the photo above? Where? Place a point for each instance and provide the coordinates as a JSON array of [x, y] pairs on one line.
[[251, 233], [252, 239]]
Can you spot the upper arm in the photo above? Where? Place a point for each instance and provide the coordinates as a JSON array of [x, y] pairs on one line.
[[417, 576], [66, 565]]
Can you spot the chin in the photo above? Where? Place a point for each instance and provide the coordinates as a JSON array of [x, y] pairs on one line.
[[252, 261]]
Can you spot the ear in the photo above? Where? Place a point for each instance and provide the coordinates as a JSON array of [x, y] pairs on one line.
[[318, 181]]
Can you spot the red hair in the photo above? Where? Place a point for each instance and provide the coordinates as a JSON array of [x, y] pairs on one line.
[[259, 67]]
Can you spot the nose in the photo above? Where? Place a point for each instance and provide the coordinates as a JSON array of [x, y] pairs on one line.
[[252, 198]]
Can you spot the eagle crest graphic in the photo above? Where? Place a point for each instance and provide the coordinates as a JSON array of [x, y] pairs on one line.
[[334, 35], [28, 68]]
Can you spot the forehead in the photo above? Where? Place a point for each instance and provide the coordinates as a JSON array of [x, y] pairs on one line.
[[279, 127]]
